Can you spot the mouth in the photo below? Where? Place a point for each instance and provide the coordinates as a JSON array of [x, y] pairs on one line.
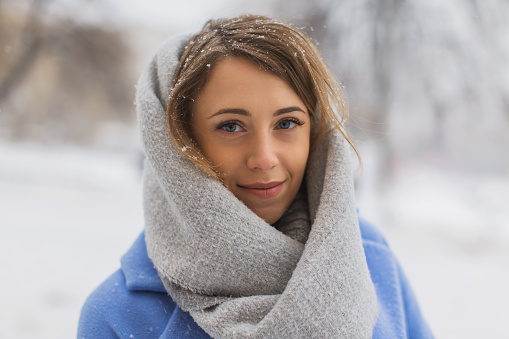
[[263, 190]]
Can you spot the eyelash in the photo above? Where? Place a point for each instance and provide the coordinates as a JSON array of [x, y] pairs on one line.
[[235, 122], [228, 122], [294, 120]]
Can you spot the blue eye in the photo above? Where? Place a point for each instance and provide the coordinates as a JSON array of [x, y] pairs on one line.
[[286, 124], [289, 123], [231, 127]]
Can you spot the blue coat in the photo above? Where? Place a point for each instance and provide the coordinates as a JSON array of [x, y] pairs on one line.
[[132, 303]]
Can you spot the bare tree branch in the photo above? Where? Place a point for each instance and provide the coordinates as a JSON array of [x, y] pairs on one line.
[[32, 36]]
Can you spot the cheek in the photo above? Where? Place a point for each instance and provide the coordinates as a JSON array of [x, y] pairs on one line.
[[222, 156], [296, 157], [225, 159], [207, 143], [303, 158]]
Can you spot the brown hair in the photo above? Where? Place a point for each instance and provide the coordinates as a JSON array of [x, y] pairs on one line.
[[274, 46]]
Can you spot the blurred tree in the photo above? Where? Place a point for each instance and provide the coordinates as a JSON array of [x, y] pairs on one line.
[[30, 36], [422, 76], [60, 80]]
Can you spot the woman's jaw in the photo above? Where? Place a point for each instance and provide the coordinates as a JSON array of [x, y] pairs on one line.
[[268, 200]]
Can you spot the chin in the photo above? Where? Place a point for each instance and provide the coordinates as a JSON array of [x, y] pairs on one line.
[[270, 216]]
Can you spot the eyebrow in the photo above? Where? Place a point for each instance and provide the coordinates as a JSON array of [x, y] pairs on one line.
[[241, 111]]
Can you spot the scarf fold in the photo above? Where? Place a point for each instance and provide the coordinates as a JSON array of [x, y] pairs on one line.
[[236, 275]]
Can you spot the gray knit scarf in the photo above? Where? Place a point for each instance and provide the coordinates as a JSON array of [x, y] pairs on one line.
[[238, 276]]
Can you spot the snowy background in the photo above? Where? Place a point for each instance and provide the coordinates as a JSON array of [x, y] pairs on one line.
[[428, 89]]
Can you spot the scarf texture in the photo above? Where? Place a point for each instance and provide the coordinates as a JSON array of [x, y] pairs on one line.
[[238, 276]]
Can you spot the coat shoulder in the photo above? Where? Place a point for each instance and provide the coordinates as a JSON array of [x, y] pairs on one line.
[[371, 234], [113, 311]]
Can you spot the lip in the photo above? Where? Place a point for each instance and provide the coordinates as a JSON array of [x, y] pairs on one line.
[[263, 190]]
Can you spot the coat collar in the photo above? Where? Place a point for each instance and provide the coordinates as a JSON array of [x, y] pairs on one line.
[[139, 271]]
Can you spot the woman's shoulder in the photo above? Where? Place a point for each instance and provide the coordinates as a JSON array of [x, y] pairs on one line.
[[129, 302], [370, 233], [399, 312]]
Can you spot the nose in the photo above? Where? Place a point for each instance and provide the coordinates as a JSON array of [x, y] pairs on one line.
[[262, 155]]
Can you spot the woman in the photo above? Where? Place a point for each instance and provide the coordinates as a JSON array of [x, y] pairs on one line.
[[251, 229]]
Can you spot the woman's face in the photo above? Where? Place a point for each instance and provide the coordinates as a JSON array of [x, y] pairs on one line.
[[255, 129]]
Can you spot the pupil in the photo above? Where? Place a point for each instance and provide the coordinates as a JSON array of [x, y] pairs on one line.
[[285, 124], [230, 127]]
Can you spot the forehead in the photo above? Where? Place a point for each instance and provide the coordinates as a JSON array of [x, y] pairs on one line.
[[234, 70], [240, 81]]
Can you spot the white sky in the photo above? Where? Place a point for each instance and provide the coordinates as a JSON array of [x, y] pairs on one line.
[[171, 15]]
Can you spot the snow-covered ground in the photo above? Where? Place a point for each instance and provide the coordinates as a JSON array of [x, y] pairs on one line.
[[68, 214]]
